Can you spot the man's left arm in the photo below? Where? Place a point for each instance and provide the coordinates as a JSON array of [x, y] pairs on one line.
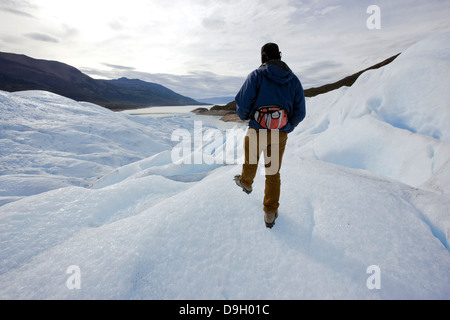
[[299, 108]]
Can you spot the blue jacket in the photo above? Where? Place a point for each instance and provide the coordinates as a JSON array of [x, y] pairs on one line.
[[272, 84]]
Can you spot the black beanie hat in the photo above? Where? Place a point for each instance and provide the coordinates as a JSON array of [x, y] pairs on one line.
[[270, 51]]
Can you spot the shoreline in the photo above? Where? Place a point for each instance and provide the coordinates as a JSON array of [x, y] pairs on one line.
[[227, 112]]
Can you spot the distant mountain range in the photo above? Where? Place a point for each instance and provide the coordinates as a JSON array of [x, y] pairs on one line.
[[20, 72]]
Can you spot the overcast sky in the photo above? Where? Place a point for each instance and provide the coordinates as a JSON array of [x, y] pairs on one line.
[[206, 48]]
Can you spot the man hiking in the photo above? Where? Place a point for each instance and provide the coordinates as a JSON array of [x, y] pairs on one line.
[[272, 99]]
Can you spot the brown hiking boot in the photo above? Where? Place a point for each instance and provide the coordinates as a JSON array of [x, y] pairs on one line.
[[237, 179], [269, 219]]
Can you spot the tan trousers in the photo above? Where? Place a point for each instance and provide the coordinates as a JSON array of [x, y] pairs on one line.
[[272, 144]]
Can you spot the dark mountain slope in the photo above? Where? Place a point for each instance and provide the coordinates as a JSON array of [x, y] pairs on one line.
[[19, 72], [347, 81], [145, 92]]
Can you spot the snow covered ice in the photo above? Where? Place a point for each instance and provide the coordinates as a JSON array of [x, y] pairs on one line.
[[365, 182]]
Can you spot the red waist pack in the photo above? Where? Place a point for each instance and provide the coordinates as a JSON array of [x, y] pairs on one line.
[[271, 117]]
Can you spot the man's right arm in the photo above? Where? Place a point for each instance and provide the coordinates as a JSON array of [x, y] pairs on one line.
[[247, 96]]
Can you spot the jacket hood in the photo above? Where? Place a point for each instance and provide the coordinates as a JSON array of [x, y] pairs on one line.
[[277, 71]]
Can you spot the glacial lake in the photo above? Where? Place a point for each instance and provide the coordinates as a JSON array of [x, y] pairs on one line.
[[168, 111], [183, 112]]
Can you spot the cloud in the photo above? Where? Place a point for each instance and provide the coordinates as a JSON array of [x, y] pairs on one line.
[[321, 72], [214, 22], [326, 10], [18, 7], [116, 25], [322, 66], [115, 66], [41, 37], [17, 12]]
